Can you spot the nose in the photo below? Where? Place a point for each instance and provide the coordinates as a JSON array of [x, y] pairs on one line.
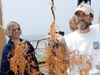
[[81, 17]]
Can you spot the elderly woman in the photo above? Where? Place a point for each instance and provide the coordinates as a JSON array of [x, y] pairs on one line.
[[13, 62]]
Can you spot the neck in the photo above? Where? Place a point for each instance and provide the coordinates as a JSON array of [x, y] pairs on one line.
[[13, 39], [84, 31]]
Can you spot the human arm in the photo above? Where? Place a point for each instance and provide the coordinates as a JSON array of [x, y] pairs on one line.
[[61, 41], [5, 65]]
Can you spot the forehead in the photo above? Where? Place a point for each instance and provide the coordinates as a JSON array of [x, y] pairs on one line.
[[16, 26], [79, 13], [12, 27]]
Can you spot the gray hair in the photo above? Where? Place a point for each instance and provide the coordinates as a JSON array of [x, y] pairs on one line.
[[10, 27]]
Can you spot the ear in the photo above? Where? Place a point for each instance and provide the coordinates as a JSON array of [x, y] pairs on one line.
[[92, 18]]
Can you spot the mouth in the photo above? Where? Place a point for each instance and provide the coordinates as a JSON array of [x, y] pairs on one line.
[[82, 22]]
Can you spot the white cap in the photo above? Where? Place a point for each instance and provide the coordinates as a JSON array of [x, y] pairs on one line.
[[85, 8]]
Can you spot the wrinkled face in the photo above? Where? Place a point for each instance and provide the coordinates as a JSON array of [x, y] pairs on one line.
[[16, 31], [83, 20]]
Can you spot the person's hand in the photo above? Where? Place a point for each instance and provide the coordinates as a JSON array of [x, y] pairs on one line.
[[58, 37]]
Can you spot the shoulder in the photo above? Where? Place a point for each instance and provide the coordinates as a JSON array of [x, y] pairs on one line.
[[8, 44], [29, 43], [25, 41], [71, 35], [95, 27], [7, 48]]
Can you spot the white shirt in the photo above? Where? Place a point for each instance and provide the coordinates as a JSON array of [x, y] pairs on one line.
[[88, 43], [95, 27]]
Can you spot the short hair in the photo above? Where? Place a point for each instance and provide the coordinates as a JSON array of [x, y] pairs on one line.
[[10, 27]]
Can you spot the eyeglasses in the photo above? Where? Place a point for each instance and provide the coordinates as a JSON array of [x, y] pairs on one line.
[[18, 29]]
